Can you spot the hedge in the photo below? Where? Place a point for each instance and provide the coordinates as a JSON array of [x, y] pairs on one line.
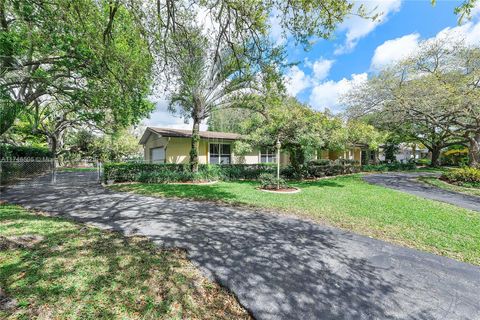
[[11, 151], [395, 166], [164, 173]]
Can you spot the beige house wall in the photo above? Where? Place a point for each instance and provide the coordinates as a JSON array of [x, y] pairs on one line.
[[177, 150], [352, 154]]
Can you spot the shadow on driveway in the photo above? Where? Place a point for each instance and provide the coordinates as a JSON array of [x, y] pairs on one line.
[[279, 267]]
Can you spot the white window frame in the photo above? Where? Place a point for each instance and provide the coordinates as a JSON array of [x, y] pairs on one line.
[[161, 160], [269, 155], [220, 154]]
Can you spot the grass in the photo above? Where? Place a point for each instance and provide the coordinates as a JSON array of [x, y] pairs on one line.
[[78, 272], [350, 203], [450, 187]]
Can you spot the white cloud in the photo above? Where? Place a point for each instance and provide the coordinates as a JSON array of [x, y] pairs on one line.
[[476, 10], [163, 118], [469, 31], [327, 94], [357, 28], [321, 68], [276, 32], [296, 81], [392, 51]]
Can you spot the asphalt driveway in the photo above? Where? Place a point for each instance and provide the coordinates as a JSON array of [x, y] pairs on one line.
[[407, 182], [279, 267]]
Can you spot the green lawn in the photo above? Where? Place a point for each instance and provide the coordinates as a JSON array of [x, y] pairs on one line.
[[348, 202], [450, 187], [69, 271]]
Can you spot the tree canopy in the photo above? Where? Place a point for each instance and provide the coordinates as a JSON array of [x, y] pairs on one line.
[[430, 97]]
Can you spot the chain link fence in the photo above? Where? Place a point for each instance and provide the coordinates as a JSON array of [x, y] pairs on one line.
[[26, 170], [38, 171]]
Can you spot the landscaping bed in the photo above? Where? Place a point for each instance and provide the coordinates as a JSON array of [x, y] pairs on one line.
[[350, 203], [52, 268]]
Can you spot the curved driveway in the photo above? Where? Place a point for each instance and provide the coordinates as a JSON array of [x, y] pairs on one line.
[[279, 267], [407, 182]]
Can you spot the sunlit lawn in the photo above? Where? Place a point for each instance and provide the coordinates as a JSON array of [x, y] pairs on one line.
[[75, 272], [450, 187], [351, 203]]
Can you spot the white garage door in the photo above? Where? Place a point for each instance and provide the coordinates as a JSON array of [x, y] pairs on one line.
[[157, 154]]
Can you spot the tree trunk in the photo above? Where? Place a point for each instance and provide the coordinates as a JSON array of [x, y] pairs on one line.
[[195, 145], [435, 156], [297, 159], [474, 150]]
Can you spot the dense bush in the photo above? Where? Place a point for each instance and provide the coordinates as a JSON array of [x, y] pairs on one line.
[[163, 173], [270, 181], [466, 176], [123, 172], [321, 168], [423, 162], [395, 166], [11, 151], [245, 171]]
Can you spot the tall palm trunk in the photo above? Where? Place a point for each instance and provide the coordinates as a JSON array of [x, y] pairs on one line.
[[195, 145]]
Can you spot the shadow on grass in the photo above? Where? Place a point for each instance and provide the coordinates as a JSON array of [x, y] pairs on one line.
[[93, 274], [202, 192]]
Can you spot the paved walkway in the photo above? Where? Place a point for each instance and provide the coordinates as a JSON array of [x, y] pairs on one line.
[[279, 267], [407, 182]]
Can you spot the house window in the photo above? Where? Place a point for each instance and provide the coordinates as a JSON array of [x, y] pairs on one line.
[[268, 155], [220, 153], [157, 155]]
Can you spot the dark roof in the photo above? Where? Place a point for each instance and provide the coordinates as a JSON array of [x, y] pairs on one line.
[[180, 133]]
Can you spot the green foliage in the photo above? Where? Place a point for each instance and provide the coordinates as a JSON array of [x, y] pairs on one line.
[[423, 162], [395, 166], [321, 168], [105, 147], [11, 151], [167, 172], [466, 176], [270, 181], [356, 132], [455, 156], [246, 171], [300, 129], [66, 64]]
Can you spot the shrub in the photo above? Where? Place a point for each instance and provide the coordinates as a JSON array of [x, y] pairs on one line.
[[245, 171], [423, 162], [465, 176], [11, 151], [395, 166], [270, 181], [320, 162]]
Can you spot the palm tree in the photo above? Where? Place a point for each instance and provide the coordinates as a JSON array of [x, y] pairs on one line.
[[206, 82]]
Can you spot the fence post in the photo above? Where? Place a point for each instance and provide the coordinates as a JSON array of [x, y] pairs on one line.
[[98, 170], [54, 173]]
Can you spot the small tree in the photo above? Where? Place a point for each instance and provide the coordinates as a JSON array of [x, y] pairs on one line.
[[205, 83], [300, 130]]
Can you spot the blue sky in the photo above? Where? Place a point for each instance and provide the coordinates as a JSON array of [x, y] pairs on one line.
[[359, 48]]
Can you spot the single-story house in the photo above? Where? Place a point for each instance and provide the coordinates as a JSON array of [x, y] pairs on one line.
[[407, 152], [165, 145]]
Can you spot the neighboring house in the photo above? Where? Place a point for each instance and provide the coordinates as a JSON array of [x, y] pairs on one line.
[[164, 145], [407, 152]]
